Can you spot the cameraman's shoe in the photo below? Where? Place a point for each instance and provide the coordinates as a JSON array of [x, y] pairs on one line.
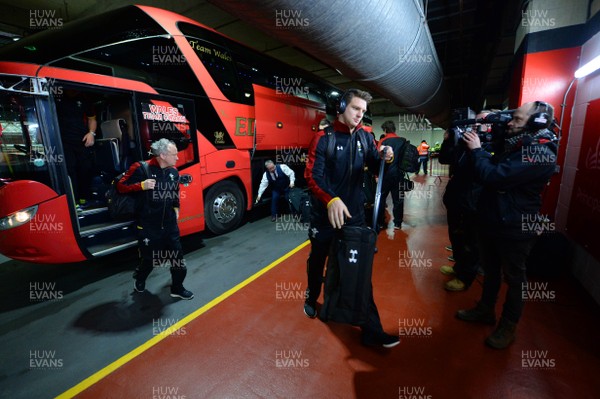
[[447, 270], [503, 335], [479, 314], [455, 285]]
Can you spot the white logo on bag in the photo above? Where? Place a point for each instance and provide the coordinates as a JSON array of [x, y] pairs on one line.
[[339, 148], [353, 253]]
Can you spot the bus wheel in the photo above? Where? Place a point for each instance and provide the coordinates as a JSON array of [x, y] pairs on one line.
[[224, 207]]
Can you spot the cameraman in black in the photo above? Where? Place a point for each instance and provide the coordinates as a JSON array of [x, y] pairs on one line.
[[512, 183], [460, 200]]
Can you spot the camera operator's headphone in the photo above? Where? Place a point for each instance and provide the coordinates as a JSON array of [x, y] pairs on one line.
[[345, 99], [542, 116]]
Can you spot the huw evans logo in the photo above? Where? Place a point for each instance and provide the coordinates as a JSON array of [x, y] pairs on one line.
[[419, 191], [412, 122], [290, 155], [167, 55], [537, 18], [40, 156], [291, 87], [163, 326], [50, 86], [537, 154], [290, 291], [45, 223], [413, 392], [289, 223], [537, 224], [44, 360], [414, 260], [167, 392], [290, 19], [44, 291], [44, 19], [532, 85], [537, 292], [413, 328], [537, 360], [416, 55], [167, 258], [287, 359]]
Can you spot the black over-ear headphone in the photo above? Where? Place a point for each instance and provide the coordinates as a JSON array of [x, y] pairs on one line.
[[541, 117], [344, 100]]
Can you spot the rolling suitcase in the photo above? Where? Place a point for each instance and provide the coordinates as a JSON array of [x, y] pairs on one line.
[[348, 288]]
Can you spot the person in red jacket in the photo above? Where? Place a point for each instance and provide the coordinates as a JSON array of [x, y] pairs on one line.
[[335, 180], [423, 149], [157, 212]]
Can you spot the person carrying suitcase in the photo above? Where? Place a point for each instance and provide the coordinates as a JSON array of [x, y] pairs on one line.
[[335, 175]]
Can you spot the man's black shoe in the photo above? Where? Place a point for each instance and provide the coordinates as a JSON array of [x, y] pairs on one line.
[[480, 314], [182, 293], [310, 310], [139, 285], [380, 339]]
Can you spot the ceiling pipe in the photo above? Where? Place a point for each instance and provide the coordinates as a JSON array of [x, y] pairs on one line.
[[383, 44]]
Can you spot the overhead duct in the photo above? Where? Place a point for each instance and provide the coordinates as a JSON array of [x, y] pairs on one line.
[[383, 44]]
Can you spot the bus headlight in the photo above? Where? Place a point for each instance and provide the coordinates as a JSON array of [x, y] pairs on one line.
[[18, 218]]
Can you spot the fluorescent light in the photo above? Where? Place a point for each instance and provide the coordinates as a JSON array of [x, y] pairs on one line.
[[588, 68]]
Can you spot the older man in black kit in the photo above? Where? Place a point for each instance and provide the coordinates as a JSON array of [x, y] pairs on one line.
[[157, 213], [335, 181], [512, 183]]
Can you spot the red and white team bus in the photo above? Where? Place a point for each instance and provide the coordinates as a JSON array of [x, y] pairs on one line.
[[149, 73]]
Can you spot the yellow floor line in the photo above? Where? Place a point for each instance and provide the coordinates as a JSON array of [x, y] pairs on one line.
[[94, 378]]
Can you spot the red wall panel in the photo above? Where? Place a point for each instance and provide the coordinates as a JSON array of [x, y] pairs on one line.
[[584, 210]]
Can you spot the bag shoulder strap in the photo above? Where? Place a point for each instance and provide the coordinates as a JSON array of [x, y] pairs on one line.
[[330, 142], [363, 140], [145, 168]]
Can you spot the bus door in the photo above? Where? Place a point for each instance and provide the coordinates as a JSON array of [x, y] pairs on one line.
[[87, 172], [174, 118], [128, 124]]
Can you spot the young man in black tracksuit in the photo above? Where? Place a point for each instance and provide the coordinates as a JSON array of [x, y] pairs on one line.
[[338, 199], [392, 176], [512, 183], [157, 212]]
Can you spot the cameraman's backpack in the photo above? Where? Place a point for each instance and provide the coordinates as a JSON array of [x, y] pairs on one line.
[[122, 206], [409, 158]]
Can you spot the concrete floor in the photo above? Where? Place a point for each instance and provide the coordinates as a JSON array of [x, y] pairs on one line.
[[93, 318]]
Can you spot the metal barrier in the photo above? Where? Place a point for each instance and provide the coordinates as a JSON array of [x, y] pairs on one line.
[[436, 169]]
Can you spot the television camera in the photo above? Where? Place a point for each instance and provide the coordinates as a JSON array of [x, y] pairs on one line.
[[489, 128]]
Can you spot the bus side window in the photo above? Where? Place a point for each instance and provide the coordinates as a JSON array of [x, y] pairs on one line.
[[219, 64]]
